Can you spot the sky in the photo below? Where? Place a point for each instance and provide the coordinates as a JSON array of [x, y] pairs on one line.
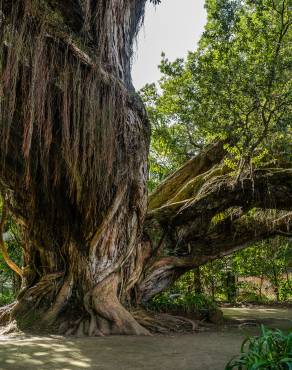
[[173, 27]]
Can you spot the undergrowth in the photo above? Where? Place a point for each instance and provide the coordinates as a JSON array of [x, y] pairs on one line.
[[6, 298], [271, 350], [186, 302]]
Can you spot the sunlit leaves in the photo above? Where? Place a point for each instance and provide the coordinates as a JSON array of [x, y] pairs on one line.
[[237, 87]]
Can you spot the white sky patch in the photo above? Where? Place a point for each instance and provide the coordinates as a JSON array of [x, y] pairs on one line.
[[173, 27]]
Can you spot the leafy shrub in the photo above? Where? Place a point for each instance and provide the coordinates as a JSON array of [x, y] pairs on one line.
[[285, 291], [187, 302], [272, 350], [6, 298], [254, 297]]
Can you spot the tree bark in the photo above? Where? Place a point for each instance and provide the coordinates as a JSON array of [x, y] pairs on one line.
[[210, 215], [198, 287], [75, 143]]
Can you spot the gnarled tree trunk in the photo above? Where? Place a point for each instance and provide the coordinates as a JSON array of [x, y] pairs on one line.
[[75, 142], [74, 145]]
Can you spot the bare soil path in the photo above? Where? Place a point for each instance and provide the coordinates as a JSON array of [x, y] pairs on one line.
[[273, 317], [199, 351]]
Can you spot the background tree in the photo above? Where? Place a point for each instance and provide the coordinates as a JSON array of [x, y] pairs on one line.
[[235, 87]]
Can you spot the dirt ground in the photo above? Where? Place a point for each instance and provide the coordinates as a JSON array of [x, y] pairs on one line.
[[204, 350], [273, 317]]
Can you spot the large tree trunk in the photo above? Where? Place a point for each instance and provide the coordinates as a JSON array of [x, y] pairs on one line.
[[75, 142], [74, 145]]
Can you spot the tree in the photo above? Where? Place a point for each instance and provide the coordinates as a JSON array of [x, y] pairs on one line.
[[74, 145], [235, 87]]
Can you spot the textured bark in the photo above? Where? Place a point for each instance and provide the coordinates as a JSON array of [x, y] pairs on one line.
[[74, 145], [212, 214], [75, 142]]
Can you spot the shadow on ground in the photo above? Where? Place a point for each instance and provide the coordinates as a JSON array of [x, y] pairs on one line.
[[199, 351], [196, 351], [273, 317]]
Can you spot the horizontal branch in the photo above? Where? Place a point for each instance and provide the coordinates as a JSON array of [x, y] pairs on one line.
[[222, 239], [267, 188]]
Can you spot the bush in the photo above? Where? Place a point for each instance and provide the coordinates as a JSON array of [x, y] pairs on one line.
[[252, 297], [285, 291], [6, 298], [187, 302], [272, 350]]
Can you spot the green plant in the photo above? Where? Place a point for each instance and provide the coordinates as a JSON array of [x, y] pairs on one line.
[[285, 291], [6, 298], [187, 302], [272, 350]]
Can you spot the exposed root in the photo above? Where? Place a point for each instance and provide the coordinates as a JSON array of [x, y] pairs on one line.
[[61, 300], [113, 318], [80, 328], [7, 325], [164, 323], [10, 328], [5, 313]]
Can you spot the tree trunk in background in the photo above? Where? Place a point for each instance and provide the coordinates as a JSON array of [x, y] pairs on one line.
[[261, 286], [231, 290], [198, 288]]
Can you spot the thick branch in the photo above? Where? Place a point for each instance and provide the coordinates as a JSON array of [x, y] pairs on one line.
[[201, 214], [221, 239], [268, 188], [181, 178]]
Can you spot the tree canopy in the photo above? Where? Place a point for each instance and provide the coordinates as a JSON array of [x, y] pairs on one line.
[[236, 87]]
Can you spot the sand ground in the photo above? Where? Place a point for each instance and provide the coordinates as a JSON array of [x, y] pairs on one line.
[[209, 349]]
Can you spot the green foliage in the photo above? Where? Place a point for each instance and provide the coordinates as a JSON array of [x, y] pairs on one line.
[[181, 297], [181, 302], [237, 87], [6, 298], [272, 350], [268, 261]]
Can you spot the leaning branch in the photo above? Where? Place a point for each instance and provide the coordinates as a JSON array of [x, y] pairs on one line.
[[3, 247], [172, 185]]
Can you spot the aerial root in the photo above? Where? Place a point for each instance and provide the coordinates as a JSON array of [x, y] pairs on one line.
[[10, 328], [62, 298]]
